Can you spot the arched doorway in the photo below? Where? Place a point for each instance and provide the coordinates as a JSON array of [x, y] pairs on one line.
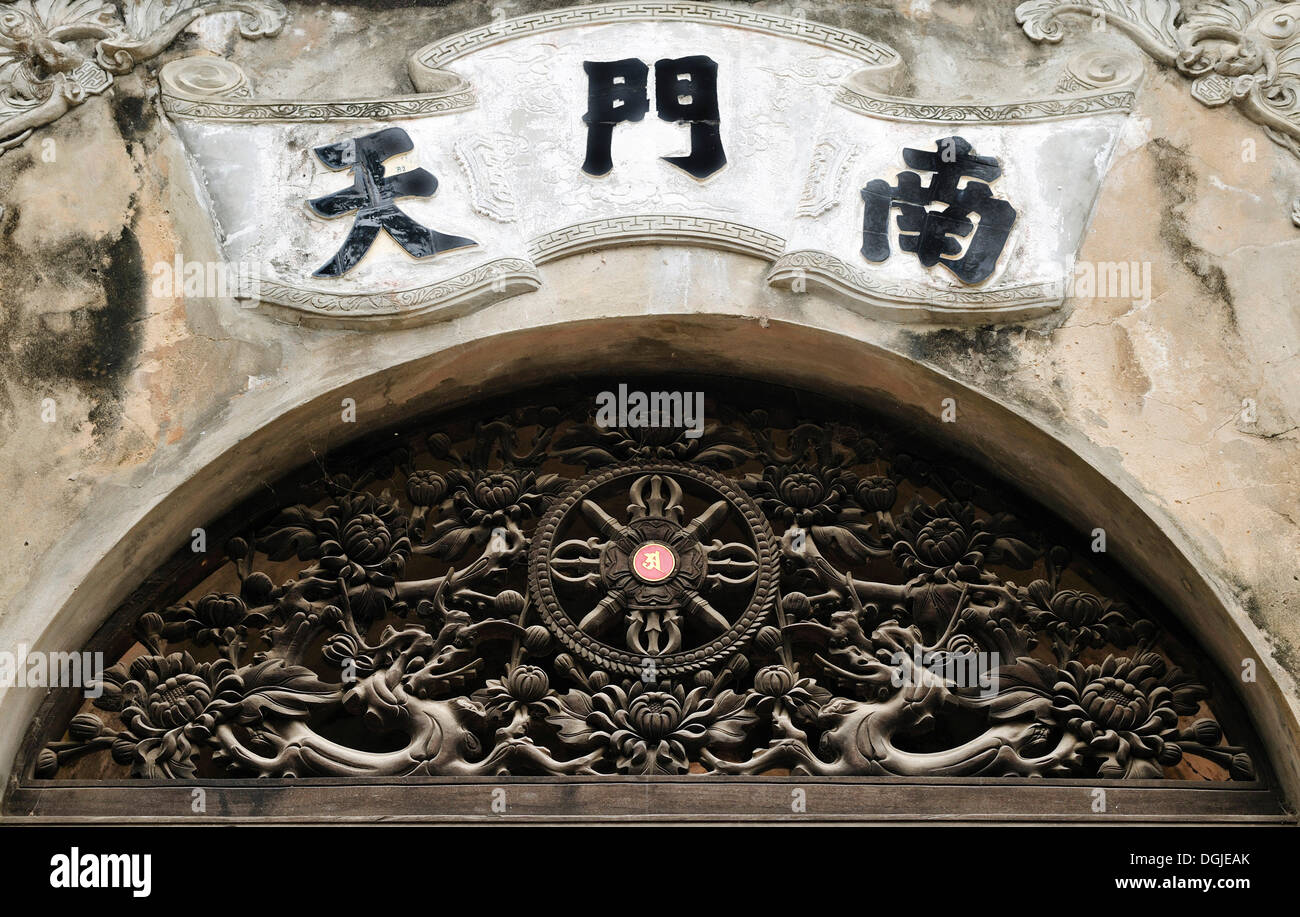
[[785, 591]]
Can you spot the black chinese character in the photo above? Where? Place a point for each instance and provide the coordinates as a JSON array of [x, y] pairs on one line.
[[686, 91], [372, 195], [929, 233], [696, 80], [616, 92]]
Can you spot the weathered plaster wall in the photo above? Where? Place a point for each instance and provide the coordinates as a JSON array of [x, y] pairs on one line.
[[149, 392]]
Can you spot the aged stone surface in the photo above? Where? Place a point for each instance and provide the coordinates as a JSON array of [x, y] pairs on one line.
[[49, 67], [1177, 407], [1238, 51]]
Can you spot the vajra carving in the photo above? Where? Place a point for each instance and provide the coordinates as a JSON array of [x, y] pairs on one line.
[[1246, 52], [544, 596], [56, 53]]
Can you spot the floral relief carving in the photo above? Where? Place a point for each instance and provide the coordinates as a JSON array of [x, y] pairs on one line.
[[464, 599], [54, 54], [1243, 52]]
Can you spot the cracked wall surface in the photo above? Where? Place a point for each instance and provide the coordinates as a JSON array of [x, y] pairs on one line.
[[1191, 397]]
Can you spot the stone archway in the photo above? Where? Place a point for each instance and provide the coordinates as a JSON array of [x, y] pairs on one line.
[[1045, 467]]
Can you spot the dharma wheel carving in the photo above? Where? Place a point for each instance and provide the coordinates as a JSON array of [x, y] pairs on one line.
[[524, 592], [657, 575]]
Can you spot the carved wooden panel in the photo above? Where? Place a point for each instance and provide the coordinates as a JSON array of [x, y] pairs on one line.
[[790, 588]]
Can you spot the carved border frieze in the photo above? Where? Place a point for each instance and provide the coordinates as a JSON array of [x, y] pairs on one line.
[[872, 53], [494, 280], [1049, 109], [661, 228], [915, 300], [215, 89]]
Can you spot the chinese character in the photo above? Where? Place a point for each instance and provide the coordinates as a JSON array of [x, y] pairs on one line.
[[686, 91], [372, 195], [651, 561], [929, 233]]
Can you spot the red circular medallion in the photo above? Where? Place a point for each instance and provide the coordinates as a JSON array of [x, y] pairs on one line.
[[653, 562]]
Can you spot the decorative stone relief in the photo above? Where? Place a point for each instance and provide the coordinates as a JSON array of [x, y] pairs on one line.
[[215, 89], [1244, 52], [254, 155], [489, 188], [760, 58], [56, 53], [1035, 143], [822, 190], [717, 104], [1099, 70]]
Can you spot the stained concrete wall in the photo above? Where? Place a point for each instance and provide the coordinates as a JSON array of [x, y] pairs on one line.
[[167, 410]]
